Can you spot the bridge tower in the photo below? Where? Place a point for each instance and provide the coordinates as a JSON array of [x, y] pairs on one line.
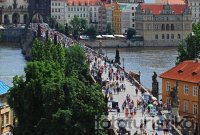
[[39, 10]]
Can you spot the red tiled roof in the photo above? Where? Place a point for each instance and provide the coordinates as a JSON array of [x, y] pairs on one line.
[[83, 2], [188, 71], [157, 9], [170, 1]]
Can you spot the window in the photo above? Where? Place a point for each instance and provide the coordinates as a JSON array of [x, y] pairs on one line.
[[80, 9], [95, 9], [71, 9], [133, 14], [133, 25], [58, 17], [7, 118], [58, 10], [167, 27], [52, 10], [55, 4], [69, 15], [185, 106], [172, 26], [195, 108], [132, 8], [156, 36], [2, 120], [163, 36], [52, 3], [167, 36], [168, 86], [172, 36], [68, 9], [59, 4], [77, 9], [179, 36], [163, 26], [195, 91], [186, 89]]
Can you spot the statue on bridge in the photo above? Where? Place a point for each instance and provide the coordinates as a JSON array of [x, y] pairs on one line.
[[154, 77], [175, 101], [117, 57]]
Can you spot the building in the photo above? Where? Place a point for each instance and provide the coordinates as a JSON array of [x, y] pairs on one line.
[[6, 114], [84, 9], [116, 18], [58, 10], [13, 11], [170, 2], [102, 19], [127, 16], [163, 25], [39, 10], [195, 8], [187, 74]]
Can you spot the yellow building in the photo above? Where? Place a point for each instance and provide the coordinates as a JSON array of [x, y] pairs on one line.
[[116, 18], [187, 74], [6, 114]]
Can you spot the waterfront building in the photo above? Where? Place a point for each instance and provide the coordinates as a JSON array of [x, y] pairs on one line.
[[163, 25], [39, 10], [13, 11], [116, 18], [170, 2], [195, 8], [102, 19], [58, 8], [187, 74], [6, 114], [84, 9], [127, 16]]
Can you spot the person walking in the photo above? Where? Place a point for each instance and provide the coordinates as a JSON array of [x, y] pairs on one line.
[[153, 126], [145, 122]]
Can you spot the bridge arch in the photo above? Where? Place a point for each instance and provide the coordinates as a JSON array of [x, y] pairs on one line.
[[6, 19], [15, 18], [37, 18]]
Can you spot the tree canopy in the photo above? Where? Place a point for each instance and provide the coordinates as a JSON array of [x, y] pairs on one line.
[[130, 33], [192, 48], [55, 96]]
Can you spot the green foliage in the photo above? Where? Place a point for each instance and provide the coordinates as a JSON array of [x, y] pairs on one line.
[[78, 26], [109, 29], [67, 30], [91, 31], [55, 96], [192, 49], [130, 33], [52, 22]]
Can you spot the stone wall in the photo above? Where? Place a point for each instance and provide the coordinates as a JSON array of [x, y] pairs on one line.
[[11, 35], [112, 43]]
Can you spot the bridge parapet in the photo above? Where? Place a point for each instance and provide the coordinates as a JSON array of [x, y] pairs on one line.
[[11, 35]]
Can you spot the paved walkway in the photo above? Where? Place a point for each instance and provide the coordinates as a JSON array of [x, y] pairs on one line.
[[133, 124]]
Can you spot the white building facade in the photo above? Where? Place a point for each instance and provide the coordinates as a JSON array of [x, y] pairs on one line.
[[195, 8], [14, 11], [128, 16], [58, 10]]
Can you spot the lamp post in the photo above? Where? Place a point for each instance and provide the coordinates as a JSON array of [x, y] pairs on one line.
[[123, 62]]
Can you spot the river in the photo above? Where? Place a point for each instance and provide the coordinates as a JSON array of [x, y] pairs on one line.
[[146, 60], [12, 63], [143, 59]]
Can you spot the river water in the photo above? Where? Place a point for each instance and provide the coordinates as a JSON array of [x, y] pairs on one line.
[[12, 63], [143, 59], [146, 60]]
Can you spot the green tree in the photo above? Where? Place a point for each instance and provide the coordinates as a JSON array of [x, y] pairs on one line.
[[91, 31], [130, 33], [52, 22], [192, 48], [55, 96], [67, 29], [109, 29], [78, 26]]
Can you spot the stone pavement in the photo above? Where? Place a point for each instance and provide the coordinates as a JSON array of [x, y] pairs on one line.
[[133, 124]]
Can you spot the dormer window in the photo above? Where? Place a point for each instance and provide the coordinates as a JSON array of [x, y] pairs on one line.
[[194, 73], [180, 71]]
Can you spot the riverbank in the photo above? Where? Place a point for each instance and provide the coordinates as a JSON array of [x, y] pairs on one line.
[[122, 43]]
